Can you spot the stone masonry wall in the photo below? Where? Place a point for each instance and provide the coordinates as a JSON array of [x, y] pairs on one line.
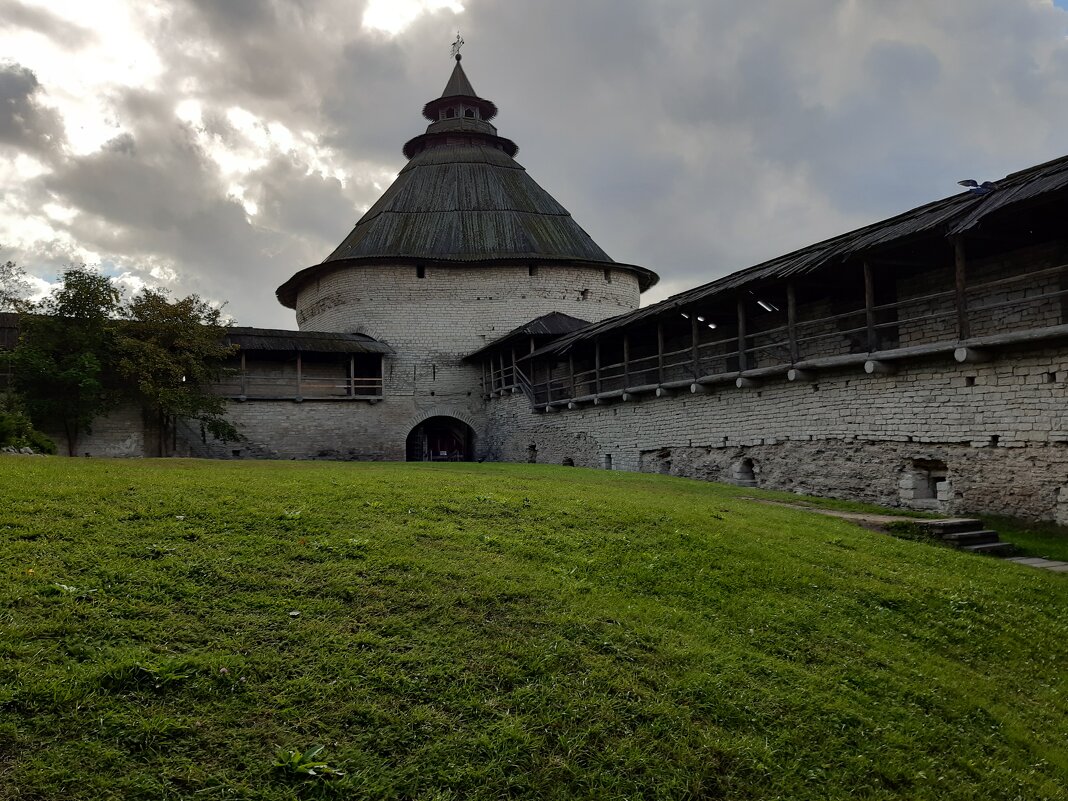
[[1000, 429]]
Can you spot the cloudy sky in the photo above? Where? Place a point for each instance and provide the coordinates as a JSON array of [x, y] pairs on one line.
[[217, 146]]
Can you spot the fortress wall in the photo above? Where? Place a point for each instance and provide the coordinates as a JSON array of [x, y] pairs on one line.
[[1001, 429], [346, 430], [121, 433]]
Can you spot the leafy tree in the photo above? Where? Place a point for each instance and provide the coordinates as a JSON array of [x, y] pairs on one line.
[[171, 352], [14, 289], [66, 345]]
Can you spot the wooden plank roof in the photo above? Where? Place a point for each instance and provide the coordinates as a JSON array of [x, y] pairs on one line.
[[553, 324], [947, 217], [470, 204], [278, 340]]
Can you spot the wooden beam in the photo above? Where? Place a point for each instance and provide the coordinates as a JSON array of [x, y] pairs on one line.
[[699, 389], [743, 358], [549, 380], [485, 390], [875, 367], [695, 340], [793, 374], [626, 360], [660, 351], [664, 392], [960, 269], [571, 370], [352, 375], [791, 321], [300, 377], [597, 366], [869, 308], [515, 373], [244, 376], [971, 355], [746, 383]]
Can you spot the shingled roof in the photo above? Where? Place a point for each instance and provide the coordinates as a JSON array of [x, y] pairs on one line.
[[462, 198]]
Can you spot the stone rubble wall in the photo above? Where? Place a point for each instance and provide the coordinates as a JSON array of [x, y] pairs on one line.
[[1000, 428]]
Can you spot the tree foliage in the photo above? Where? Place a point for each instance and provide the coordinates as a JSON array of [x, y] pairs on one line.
[[171, 352], [82, 350], [14, 289], [66, 349]]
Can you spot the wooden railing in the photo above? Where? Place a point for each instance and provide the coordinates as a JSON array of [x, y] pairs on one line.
[[1002, 309], [260, 387]]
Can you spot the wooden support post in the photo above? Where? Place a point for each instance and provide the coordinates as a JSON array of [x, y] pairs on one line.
[[791, 322], [244, 376], [300, 378], [571, 370], [485, 389], [869, 308], [659, 351], [515, 371], [352, 376], [695, 340], [532, 344], [743, 359], [503, 382], [960, 264], [626, 360], [549, 381], [597, 366]]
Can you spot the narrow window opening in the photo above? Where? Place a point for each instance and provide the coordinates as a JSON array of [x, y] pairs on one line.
[[608, 276], [532, 270], [1051, 378], [584, 294], [450, 113], [420, 271], [608, 461], [969, 381], [469, 114]]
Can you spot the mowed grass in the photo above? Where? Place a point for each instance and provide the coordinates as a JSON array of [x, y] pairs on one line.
[[503, 632]]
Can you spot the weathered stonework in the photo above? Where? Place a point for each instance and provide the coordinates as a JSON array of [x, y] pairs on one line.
[[1003, 435]]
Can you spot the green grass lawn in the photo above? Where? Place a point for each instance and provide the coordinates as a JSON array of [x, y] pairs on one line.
[[502, 632]]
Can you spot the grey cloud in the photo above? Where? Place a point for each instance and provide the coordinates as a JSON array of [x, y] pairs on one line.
[[25, 123], [34, 18], [688, 136]]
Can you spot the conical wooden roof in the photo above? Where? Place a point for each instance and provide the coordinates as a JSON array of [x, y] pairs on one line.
[[462, 198]]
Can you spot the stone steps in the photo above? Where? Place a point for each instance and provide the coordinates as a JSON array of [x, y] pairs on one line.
[[969, 534]]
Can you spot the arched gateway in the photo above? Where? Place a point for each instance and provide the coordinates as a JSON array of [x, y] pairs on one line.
[[441, 439]]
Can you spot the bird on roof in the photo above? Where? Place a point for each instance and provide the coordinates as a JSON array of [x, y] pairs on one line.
[[976, 188]]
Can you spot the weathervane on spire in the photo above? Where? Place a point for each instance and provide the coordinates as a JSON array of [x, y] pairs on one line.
[[457, 45]]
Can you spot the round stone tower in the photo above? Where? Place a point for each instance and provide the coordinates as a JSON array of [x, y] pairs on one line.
[[462, 248]]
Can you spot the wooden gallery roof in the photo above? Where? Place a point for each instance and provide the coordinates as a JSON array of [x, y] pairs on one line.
[[277, 340], [463, 199], [950, 217]]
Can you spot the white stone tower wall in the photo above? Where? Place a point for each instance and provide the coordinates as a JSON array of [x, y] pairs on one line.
[[433, 322]]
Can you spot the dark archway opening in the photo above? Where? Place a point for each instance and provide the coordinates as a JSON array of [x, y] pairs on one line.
[[441, 439]]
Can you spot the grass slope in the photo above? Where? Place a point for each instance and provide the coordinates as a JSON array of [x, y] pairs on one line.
[[503, 631]]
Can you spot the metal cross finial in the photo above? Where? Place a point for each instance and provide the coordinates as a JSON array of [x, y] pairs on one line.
[[457, 45]]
